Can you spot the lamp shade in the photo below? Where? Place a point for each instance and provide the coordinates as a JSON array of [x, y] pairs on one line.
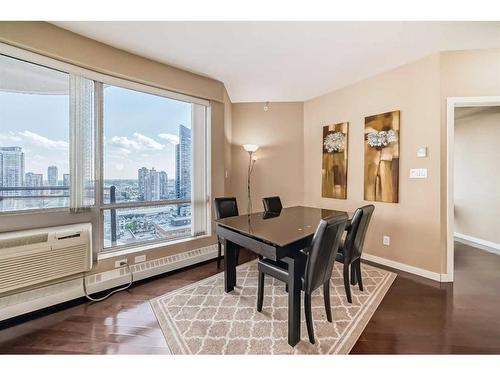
[[250, 148]]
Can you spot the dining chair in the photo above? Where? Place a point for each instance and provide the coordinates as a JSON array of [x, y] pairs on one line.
[[315, 272], [272, 204], [225, 207], [350, 250]]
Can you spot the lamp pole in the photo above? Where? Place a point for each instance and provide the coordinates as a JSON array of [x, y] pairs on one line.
[[251, 162]]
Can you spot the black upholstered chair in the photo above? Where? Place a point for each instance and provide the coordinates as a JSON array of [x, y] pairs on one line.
[[272, 204], [225, 207], [317, 268], [350, 251]]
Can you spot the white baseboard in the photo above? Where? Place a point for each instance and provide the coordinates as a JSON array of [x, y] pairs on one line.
[[36, 299], [404, 267], [485, 245]]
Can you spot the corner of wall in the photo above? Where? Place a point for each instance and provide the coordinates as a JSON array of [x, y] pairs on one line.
[[228, 128]]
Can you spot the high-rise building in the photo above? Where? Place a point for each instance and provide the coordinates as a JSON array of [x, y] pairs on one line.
[[33, 180], [155, 184], [183, 163], [66, 180], [149, 181], [11, 168], [52, 175], [177, 171], [163, 184], [143, 180]]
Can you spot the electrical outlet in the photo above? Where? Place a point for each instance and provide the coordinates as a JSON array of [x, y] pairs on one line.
[[140, 258], [119, 263], [386, 240]]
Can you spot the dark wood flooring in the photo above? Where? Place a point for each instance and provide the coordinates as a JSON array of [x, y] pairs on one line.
[[416, 316]]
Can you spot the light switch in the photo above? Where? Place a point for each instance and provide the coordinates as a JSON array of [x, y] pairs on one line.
[[418, 173]]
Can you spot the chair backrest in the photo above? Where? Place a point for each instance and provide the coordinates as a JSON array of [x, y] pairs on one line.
[[353, 244], [225, 207], [272, 204], [322, 252]]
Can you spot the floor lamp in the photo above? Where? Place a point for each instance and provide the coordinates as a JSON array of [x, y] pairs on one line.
[[251, 161]]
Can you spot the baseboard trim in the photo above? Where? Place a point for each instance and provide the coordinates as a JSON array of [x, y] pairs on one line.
[[404, 267], [36, 299], [485, 245]]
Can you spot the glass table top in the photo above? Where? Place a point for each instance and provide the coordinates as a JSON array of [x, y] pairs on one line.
[[290, 225]]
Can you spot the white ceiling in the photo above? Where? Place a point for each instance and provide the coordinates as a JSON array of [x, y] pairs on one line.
[[288, 61]]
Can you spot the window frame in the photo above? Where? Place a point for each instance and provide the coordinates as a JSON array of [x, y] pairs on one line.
[[118, 82], [99, 206]]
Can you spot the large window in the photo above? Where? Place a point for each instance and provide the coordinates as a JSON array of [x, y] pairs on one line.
[[46, 138], [34, 136], [148, 157], [65, 131]]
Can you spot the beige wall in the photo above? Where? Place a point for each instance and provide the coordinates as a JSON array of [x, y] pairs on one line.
[[54, 42], [476, 174], [228, 138], [413, 223], [279, 170]]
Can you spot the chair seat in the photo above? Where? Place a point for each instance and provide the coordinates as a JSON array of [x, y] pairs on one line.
[[279, 269]]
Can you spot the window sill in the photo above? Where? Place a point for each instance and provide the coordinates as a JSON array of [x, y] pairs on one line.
[[145, 248]]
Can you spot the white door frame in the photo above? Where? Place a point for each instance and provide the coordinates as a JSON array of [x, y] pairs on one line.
[[451, 104]]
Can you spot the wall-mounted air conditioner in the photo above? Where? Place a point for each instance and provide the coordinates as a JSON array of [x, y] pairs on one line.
[[33, 257]]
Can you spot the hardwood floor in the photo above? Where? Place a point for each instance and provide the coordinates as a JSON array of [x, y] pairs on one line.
[[416, 316], [420, 316]]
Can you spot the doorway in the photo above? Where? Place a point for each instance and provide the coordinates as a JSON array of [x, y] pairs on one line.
[[452, 105]]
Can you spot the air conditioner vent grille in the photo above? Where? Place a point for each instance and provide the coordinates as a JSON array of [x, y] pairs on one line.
[[23, 267], [24, 240]]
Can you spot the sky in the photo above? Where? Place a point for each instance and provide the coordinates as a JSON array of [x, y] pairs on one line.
[[140, 130], [40, 125]]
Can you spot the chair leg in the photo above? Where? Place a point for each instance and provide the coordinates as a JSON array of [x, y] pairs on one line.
[[286, 288], [219, 254], [358, 274], [326, 296], [309, 322], [346, 283], [353, 275], [260, 291]]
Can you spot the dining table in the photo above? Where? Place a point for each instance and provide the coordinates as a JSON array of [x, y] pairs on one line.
[[277, 236]]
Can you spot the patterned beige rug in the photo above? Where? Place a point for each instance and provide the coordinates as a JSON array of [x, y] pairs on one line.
[[201, 319]]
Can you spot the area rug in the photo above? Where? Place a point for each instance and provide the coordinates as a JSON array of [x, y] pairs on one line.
[[202, 319]]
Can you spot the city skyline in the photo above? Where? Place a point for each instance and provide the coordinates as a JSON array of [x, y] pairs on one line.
[[150, 184]]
